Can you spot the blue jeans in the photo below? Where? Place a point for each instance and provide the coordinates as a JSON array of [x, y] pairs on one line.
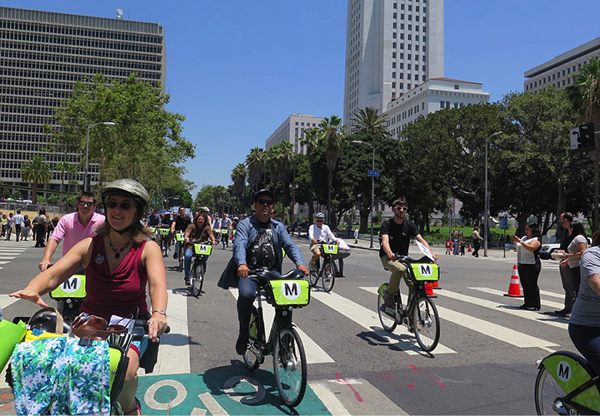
[[587, 341], [247, 294], [187, 263]]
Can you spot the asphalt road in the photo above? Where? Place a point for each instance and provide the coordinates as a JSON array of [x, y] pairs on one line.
[[485, 363]]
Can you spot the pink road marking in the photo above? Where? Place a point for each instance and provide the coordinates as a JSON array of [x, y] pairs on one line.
[[340, 378], [418, 370]]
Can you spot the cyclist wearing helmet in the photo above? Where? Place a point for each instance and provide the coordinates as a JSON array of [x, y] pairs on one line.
[[119, 262], [319, 233]]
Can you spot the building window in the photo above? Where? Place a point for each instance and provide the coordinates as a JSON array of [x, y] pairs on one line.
[[456, 87]]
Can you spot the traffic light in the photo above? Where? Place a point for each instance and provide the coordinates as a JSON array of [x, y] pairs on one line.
[[586, 139]]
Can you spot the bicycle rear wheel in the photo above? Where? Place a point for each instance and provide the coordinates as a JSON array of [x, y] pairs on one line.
[[289, 365], [197, 279], [426, 324], [252, 355], [387, 322], [328, 275]]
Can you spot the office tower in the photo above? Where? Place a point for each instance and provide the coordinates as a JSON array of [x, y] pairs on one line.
[[558, 72], [292, 130], [392, 46], [43, 55]]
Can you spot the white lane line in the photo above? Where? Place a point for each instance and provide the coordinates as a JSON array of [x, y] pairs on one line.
[[314, 353], [501, 333], [328, 398], [552, 294], [369, 319], [6, 301], [513, 311], [174, 351]]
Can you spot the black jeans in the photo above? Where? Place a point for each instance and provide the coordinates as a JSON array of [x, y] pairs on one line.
[[529, 273], [18, 231], [476, 246], [587, 341]]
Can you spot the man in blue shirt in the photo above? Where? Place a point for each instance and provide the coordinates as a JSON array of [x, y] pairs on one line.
[[257, 247], [18, 221]]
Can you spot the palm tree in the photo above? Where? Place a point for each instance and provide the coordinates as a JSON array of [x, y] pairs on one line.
[[370, 122], [238, 177], [584, 93], [256, 166], [310, 140], [332, 134], [37, 172], [62, 166], [71, 170]]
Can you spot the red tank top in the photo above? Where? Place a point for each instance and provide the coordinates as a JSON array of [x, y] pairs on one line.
[[119, 292]]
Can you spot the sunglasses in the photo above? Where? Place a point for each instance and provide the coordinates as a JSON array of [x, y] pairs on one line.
[[123, 205], [86, 204], [265, 202], [319, 220], [401, 208]]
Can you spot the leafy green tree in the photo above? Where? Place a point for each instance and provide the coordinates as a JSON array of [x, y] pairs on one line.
[[370, 122], [36, 171], [584, 93], [332, 136], [145, 144]]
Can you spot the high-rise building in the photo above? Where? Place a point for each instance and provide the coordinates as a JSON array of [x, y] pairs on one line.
[[558, 72], [392, 46], [43, 55], [292, 130]]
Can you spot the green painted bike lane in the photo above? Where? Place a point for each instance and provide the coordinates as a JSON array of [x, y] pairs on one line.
[[223, 391]]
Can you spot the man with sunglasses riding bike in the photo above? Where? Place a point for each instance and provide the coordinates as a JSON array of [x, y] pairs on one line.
[[318, 234], [395, 240], [256, 247], [74, 227]]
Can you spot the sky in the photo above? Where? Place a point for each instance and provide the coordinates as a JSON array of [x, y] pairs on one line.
[[238, 69]]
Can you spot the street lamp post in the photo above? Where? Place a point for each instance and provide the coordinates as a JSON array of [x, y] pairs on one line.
[[372, 186], [86, 179], [486, 217]]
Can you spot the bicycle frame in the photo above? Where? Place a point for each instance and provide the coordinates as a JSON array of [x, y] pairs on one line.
[[282, 319]]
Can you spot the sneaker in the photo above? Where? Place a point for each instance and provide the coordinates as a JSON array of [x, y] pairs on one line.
[[563, 312], [241, 345], [389, 300], [188, 282]]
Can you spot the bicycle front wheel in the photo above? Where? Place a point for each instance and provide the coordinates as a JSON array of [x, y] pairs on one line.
[[313, 276], [328, 277], [252, 355], [197, 279], [289, 365], [426, 324], [387, 322]]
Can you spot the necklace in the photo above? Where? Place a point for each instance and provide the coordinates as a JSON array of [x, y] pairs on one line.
[[117, 252]]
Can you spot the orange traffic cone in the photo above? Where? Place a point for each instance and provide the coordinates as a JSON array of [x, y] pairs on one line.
[[514, 290]]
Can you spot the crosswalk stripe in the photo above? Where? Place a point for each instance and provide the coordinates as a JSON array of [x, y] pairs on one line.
[[490, 329], [6, 301], [314, 353], [552, 294], [500, 293], [328, 398], [7, 258], [174, 355], [369, 320]]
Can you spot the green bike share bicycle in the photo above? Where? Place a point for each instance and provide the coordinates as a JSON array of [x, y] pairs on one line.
[[285, 293]]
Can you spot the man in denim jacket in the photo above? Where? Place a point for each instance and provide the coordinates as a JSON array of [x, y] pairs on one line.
[[257, 247]]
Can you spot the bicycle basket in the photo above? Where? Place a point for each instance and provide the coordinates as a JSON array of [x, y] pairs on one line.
[[225, 231], [330, 248], [204, 249], [152, 229], [163, 231], [295, 293], [425, 272], [567, 369], [73, 288], [179, 237]]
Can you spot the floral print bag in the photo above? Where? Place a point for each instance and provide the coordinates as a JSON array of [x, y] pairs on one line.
[[58, 376]]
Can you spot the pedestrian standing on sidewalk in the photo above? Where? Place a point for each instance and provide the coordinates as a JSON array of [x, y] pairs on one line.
[[41, 225], [449, 247], [4, 223], [18, 220], [9, 226], [569, 285], [476, 241], [529, 265], [572, 256], [26, 227], [355, 235]]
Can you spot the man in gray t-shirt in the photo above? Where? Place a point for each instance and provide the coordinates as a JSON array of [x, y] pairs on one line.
[[584, 324]]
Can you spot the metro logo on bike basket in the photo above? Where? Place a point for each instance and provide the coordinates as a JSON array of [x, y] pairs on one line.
[[330, 248], [205, 249], [291, 292], [164, 231], [74, 287], [180, 237], [425, 271]]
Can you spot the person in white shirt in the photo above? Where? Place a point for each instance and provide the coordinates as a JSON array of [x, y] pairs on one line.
[[319, 233]]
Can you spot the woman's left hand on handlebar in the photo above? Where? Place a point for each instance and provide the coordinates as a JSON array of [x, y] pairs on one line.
[[30, 295], [303, 269], [157, 325]]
